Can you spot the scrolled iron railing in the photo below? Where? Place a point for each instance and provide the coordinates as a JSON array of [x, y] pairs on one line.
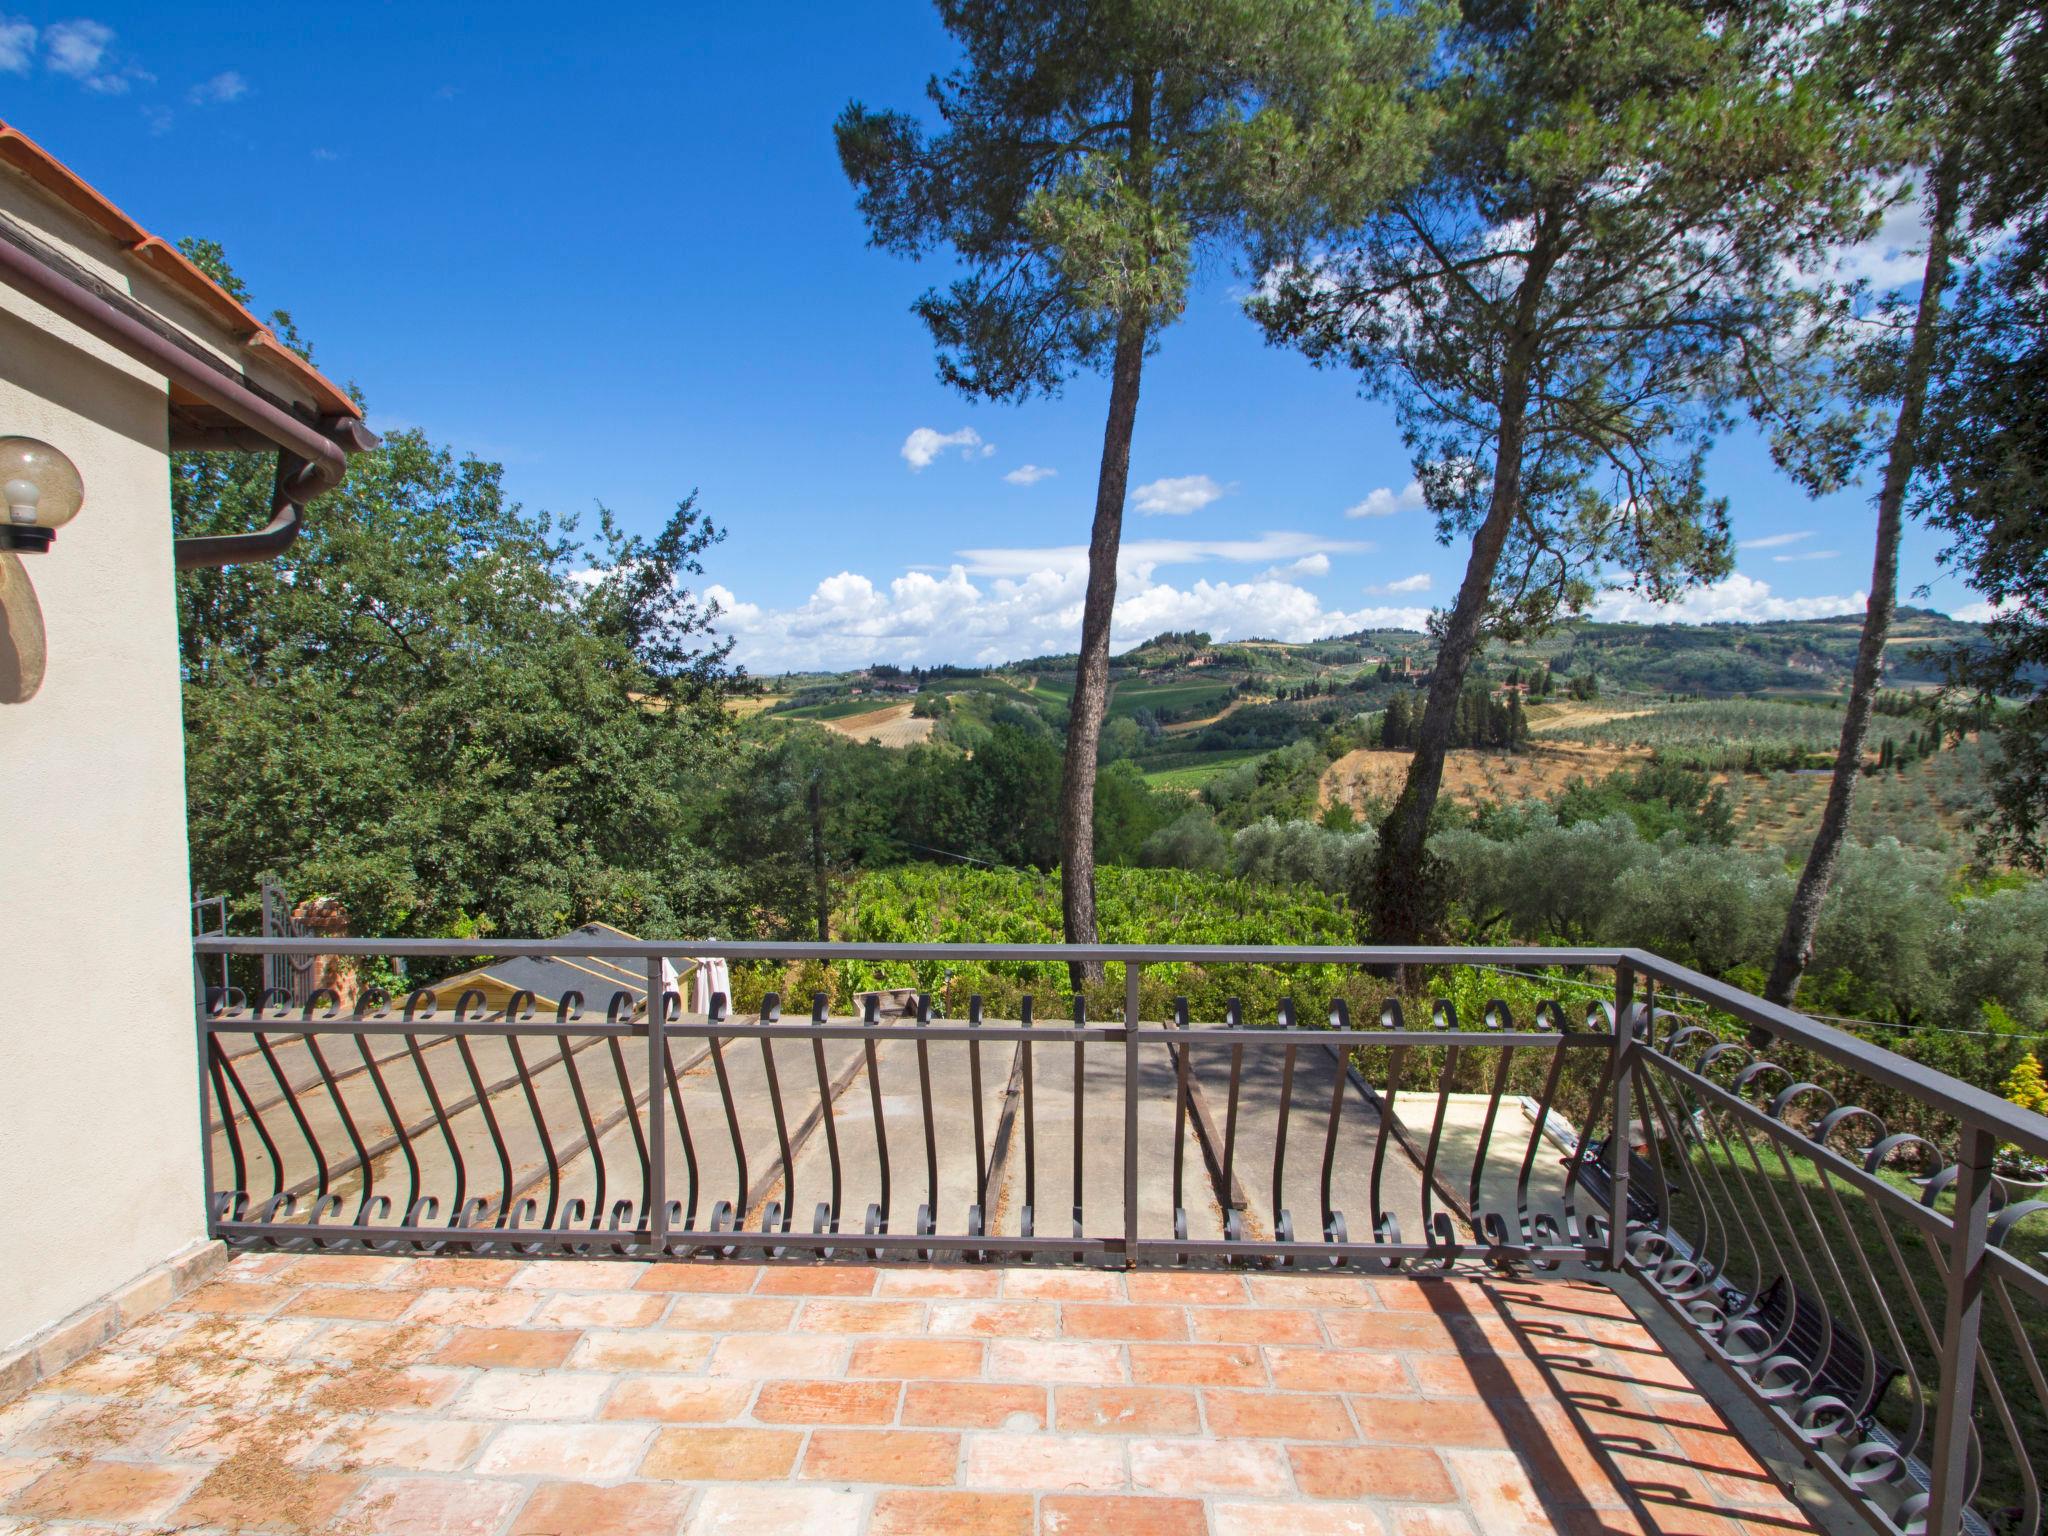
[[1879, 1293], [1875, 1292]]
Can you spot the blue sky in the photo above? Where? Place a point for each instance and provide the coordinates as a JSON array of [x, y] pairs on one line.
[[618, 255]]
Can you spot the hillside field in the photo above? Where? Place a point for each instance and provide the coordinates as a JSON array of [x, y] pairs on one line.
[[1185, 698], [1197, 769], [1716, 732], [1268, 728], [892, 726], [1372, 777]]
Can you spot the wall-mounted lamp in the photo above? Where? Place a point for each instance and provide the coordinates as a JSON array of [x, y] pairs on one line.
[[23, 651], [42, 491]]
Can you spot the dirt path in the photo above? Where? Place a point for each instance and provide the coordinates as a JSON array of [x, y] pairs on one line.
[[1358, 778], [892, 726], [1186, 727]]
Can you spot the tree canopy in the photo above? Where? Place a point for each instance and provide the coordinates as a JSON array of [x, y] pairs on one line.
[[1600, 258], [451, 713], [1987, 443], [1086, 155]]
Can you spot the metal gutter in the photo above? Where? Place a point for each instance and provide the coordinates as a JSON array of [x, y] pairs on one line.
[[312, 455]]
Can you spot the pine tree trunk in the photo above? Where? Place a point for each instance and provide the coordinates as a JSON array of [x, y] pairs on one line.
[[1091, 673], [1795, 944], [1091, 676], [1402, 903]]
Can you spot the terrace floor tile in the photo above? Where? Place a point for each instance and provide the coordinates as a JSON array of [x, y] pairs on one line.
[[524, 1397]]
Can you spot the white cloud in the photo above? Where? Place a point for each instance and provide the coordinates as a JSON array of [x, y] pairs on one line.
[[224, 87], [1386, 501], [731, 610], [1317, 564], [1774, 540], [17, 45], [1419, 582], [1739, 599], [1811, 554], [1981, 611], [77, 49], [1895, 254], [1000, 605], [1177, 495], [927, 443], [1029, 474], [1140, 557]]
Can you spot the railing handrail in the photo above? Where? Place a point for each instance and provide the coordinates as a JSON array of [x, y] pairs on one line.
[[1051, 954], [1967, 1102], [2004, 1119]]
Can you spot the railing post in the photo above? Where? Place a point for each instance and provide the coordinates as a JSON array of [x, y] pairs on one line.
[[206, 1103], [657, 1106], [1618, 1144], [1959, 1329], [1132, 972]]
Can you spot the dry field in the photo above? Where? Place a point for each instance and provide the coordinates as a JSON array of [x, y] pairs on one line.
[[1572, 714], [1358, 778], [891, 726]]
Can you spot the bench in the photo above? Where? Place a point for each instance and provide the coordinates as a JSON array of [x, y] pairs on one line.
[[1841, 1373], [1596, 1177]]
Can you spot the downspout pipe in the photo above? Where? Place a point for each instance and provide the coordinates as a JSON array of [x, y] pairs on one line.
[[288, 494], [312, 456], [297, 483]]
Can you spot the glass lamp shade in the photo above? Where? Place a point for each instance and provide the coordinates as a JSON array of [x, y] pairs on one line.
[[40, 491], [23, 650]]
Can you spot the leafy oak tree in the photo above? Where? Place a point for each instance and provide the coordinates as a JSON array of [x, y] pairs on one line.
[[1081, 160], [1600, 259], [449, 712]]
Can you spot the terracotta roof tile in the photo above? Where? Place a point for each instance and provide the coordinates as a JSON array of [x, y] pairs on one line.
[[166, 262]]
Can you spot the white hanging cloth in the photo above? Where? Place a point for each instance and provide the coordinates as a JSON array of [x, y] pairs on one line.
[[708, 978]]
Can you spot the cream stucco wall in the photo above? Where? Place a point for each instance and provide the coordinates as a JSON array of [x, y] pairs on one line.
[[99, 1114]]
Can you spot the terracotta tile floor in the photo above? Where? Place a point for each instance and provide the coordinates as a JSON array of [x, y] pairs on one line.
[[369, 1395]]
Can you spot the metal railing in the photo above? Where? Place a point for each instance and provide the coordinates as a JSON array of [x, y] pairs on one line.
[[1879, 1292], [1854, 1281]]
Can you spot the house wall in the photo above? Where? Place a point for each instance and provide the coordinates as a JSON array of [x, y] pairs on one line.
[[99, 1115]]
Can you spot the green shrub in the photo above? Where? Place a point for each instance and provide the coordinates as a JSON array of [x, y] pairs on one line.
[[1194, 841], [1302, 853]]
